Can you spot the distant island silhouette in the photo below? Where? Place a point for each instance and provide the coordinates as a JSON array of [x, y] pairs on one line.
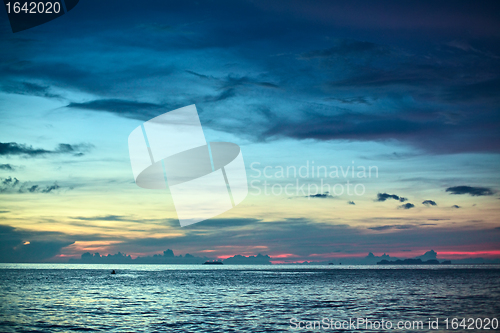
[[428, 258], [413, 262], [168, 257]]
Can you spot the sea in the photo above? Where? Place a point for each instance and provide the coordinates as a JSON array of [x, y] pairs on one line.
[[239, 298]]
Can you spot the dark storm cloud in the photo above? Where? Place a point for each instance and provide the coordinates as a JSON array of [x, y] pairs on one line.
[[225, 94], [232, 81], [487, 90], [429, 203], [325, 195], [145, 111], [50, 188], [407, 206], [471, 190], [10, 181], [17, 245], [434, 19], [25, 188], [13, 185], [435, 91], [6, 167], [129, 109], [13, 148], [431, 131], [382, 79], [393, 156], [346, 125], [350, 100], [8, 184], [345, 48], [28, 88], [385, 196]]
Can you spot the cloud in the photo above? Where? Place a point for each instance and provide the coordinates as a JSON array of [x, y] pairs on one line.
[[325, 195], [473, 191], [214, 89], [232, 81], [429, 203], [102, 218], [415, 128], [6, 167], [300, 236], [228, 222], [125, 108], [487, 90], [38, 189], [350, 100], [347, 48], [259, 259], [18, 245], [303, 237], [28, 88], [407, 206], [385, 196], [14, 185], [315, 90], [13, 148], [8, 184], [10, 181], [50, 188], [392, 226]]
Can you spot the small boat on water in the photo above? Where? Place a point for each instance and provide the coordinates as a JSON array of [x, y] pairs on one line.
[[213, 262]]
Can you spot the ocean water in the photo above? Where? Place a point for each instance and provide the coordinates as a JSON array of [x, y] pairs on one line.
[[185, 298]]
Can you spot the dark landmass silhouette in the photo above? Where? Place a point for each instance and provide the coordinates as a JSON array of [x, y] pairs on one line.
[[168, 257], [428, 258], [250, 260], [370, 259], [413, 262]]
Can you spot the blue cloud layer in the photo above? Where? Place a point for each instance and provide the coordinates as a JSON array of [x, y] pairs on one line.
[[294, 75]]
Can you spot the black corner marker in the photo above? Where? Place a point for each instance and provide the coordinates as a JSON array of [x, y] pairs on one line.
[[28, 14], [70, 4]]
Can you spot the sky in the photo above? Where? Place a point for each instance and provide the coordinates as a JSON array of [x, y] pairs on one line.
[[403, 93]]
